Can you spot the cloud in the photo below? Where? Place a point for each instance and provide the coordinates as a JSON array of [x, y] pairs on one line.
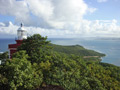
[[92, 10], [58, 12], [45, 13], [55, 18], [100, 1], [13, 8], [2, 24], [97, 28]]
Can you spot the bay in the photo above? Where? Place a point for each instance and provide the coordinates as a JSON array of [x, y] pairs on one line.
[[109, 46]]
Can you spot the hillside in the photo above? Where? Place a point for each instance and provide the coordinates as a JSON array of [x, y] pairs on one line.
[[36, 67], [76, 49]]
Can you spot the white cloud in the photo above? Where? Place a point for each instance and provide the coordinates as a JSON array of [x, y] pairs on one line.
[[14, 8], [2, 24], [97, 28], [55, 18], [92, 10], [100, 1], [50, 13]]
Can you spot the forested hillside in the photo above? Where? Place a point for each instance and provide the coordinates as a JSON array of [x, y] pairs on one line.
[[76, 49], [39, 66]]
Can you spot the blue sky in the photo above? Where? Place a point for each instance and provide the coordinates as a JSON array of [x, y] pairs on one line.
[[105, 10], [61, 18], [6, 18]]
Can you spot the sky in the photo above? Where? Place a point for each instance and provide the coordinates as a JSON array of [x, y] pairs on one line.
[[61, 18]]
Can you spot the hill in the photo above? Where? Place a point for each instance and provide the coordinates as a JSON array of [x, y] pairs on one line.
[[36, 67], [76, 49]]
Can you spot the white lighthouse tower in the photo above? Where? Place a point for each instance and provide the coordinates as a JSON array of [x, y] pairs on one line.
[[21, 33]]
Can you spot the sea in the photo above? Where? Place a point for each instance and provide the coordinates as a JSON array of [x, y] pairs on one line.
[[108, 46]]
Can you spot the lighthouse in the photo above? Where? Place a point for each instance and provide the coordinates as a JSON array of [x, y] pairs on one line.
[[21, 34]]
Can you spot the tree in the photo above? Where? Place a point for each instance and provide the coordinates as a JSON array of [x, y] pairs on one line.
[[3, 57], [20, 73], [35, 65], [36, 47]]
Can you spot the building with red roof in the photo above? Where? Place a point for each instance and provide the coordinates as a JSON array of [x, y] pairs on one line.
[[21, 34]]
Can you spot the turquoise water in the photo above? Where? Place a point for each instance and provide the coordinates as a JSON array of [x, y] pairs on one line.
[[110, 47]]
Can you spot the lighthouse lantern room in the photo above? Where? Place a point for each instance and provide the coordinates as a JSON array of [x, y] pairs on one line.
[[21, 34]]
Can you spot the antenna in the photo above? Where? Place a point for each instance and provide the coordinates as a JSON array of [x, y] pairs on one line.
[[21, 24]]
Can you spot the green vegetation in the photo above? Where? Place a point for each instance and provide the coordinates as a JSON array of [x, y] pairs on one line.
[[37, 65], [76, 49], [3, 57]]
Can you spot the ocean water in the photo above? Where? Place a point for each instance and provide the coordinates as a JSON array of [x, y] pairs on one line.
[[109, 46], [4, 44]]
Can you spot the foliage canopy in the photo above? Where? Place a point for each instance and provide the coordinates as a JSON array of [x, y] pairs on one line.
[[36, 65]]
